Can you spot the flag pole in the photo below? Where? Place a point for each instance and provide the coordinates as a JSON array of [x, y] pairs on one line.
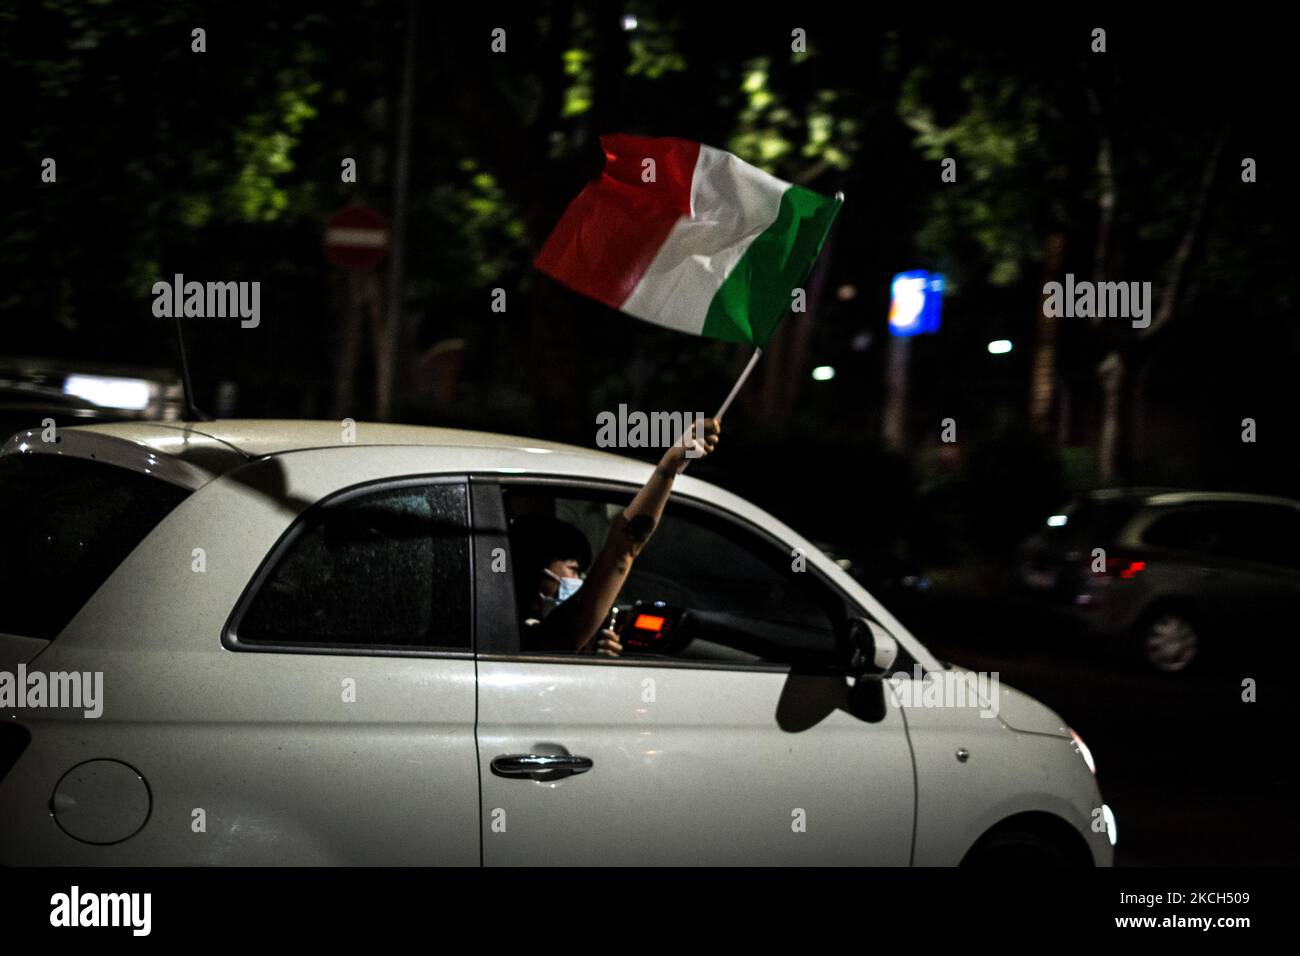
[[735, 389]]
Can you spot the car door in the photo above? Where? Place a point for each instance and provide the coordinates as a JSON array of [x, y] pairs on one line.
[[719, 755], [361, 623]]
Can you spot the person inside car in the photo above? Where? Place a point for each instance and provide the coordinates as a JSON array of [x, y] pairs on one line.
[[565, 610]]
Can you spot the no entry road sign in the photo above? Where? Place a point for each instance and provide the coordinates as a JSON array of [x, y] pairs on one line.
[[356, 238]]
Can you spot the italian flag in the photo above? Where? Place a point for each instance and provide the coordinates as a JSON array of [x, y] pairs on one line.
[[710, 245]]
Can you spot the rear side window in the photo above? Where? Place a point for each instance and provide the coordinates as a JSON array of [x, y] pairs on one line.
[[1247, 531], [388, 568], [68, 523], [1188, 529]]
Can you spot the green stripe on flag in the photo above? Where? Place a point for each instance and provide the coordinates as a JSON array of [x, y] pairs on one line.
[[750, 303]]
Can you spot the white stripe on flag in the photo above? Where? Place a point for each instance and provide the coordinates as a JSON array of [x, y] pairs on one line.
[[732, 202], [363, 238]]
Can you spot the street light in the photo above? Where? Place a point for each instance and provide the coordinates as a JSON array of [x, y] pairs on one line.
[[999, 347]]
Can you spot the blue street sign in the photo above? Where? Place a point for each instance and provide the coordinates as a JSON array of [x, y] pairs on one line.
[[915, 299]]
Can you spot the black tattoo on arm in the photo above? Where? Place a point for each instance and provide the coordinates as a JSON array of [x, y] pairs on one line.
[[639, 528]]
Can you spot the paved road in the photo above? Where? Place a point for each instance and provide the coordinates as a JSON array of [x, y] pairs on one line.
[[1194, 774]]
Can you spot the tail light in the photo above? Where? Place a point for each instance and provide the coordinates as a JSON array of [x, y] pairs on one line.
[[1124, 568]]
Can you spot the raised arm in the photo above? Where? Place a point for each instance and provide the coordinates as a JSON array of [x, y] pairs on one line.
[[579, 618]]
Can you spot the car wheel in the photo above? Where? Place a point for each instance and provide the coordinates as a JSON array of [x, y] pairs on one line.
[[1022, 849], [1170, 641]]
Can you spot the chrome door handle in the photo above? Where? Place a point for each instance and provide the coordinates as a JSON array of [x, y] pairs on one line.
[[540, 766]]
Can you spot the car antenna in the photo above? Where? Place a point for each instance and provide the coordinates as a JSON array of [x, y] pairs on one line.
[[192, 411]]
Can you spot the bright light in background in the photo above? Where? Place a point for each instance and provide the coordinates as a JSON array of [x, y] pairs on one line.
[[823, 373], [999, 346], [909, 300], [108, 392], [1057, 521], [629, 22], [915, 301]]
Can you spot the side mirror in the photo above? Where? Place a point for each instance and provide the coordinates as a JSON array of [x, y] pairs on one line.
[[872, 650]]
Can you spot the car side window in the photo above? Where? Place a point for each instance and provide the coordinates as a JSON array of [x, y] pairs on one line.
[[388, 568], [714, 589], [1264, 533], [1244, 531], [1187, 529], [734, 578]]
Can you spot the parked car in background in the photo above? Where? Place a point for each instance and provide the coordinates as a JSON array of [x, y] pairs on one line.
[[27, 405], [1182, 576], [880, 570], [34, 391]]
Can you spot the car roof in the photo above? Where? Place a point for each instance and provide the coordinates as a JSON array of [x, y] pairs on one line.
[[193, 453], [256, 438], [1172, 497]]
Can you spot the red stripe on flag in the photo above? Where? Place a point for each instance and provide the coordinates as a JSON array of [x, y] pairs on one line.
[[610, 233]]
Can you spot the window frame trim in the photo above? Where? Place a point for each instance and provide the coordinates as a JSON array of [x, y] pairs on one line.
[[229, 633]]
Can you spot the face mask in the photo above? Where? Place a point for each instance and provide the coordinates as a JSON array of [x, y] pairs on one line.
[[568, 587]]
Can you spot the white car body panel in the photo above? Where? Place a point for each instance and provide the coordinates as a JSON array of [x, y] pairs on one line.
[[711, 767], [959, 801], [711, 771]]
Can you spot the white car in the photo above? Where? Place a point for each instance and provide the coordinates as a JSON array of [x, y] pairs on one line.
[[307, 649]]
